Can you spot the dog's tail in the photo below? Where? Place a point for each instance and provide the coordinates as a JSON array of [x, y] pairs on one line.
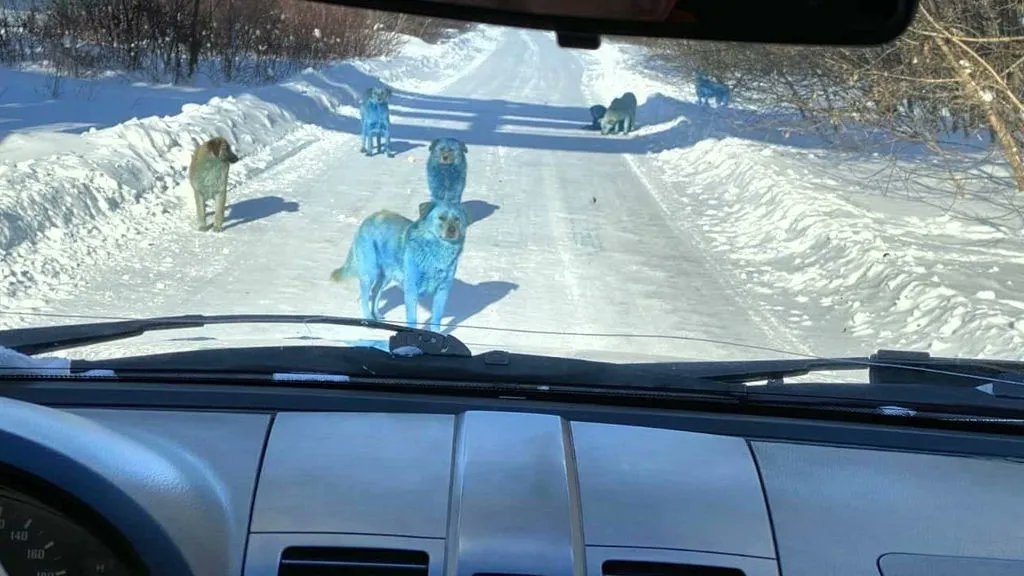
[[345, 272]]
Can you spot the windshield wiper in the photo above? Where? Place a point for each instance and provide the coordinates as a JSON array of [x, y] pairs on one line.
[[885, 367], [773, 371], [41, 339], [493, 370]]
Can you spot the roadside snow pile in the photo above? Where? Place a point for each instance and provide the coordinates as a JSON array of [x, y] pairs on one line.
[[814, 236], [427, 68], [67, 200]]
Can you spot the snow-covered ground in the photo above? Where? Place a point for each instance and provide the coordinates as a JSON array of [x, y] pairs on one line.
[[698, 227]]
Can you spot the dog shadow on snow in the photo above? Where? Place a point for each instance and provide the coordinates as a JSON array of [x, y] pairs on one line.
[[400, 147], [464, 301], [253, 209], [663, 123]]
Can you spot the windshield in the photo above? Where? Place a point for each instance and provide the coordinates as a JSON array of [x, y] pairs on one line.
[[647, 200]]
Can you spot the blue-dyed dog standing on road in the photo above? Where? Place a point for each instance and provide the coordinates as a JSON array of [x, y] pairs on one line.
[[419, 256], [708, 89], [376, 119], [446, 171]]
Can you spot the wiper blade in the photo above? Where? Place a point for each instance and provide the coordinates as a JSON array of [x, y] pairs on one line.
[[491, 370], [885, 367], [41, 339], [1004, 378], [772, 371]]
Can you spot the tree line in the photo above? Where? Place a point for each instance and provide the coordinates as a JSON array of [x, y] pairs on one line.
[[174, 40]]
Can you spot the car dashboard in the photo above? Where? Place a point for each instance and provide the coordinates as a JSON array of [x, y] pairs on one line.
[[505, 488]]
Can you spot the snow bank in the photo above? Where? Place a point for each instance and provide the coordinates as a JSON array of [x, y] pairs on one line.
[[814, 236], [426, 68], [67, 200]]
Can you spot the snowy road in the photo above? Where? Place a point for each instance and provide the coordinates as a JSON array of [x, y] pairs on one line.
[[568, 236], [737, 224]]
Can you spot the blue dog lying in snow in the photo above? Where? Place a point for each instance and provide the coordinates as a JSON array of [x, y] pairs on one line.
[[420, 256], [446, 171], [708, 88], [376, 119]]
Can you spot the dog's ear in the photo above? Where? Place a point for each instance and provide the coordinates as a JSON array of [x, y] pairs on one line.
[[214, 144], [462, 146], [434, 144], [425, 208], [387, 91]]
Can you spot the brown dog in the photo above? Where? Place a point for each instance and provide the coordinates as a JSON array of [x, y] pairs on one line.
[[208, 175]]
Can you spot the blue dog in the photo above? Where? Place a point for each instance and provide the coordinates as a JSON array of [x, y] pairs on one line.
[[446, 171], [596, 114], [376, 119], [708, 88], [419, 256]]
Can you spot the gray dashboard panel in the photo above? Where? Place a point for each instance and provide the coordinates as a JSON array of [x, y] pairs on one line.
[[928, 565], [534, 494], [660, 488], [837, 510], [490, 482], [217, 452], [357, 473], [511, 491]]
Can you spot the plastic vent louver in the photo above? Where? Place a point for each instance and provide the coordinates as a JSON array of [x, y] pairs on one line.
[[323, 561], [637, 568]]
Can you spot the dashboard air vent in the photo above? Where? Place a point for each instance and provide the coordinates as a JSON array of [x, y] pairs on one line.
[[635, 568], [324, 561]]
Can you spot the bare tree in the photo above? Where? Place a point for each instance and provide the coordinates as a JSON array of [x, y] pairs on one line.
[[958, 69], [251, 40]]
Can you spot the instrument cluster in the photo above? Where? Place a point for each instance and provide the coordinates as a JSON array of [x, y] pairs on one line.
[[43, 536]]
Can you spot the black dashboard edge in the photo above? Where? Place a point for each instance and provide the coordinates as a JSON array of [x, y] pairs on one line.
[[849, 430]]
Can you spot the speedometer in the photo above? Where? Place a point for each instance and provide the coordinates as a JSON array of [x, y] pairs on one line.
[[36, 540]]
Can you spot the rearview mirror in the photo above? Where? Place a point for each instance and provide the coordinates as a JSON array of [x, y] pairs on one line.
[[579, 23]]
